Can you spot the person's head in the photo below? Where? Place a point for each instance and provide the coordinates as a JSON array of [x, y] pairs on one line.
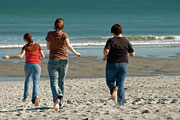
[[28, 38], [59, 24], [116, 29]]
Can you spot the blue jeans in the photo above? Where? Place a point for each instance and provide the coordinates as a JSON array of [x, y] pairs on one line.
[[35, 70], [57, 73], [115, 76]]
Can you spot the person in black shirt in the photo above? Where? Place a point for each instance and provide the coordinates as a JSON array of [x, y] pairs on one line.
[[116, 53]]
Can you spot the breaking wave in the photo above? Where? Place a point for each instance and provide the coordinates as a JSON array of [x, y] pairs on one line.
[[93, 42]]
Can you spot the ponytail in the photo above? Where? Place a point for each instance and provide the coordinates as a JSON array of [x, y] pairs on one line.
[[28, 37], [59, 24]]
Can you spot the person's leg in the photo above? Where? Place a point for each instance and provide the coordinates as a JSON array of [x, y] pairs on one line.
[[36, 70], [123, 69], [28, 71], [110, 76], [62, 76], [53, 75]]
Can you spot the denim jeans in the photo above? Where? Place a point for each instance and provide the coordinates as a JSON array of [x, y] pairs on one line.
[[35, 70], [57, 73], [115, 76]]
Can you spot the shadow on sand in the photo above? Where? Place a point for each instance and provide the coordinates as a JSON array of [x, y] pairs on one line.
[[29, 109]]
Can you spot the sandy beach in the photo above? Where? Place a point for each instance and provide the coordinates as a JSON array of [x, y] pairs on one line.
[[152, 85], [152, 92], [147, 98]]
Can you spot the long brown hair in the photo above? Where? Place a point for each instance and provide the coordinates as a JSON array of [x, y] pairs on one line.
[[28, 37], [59, 24]]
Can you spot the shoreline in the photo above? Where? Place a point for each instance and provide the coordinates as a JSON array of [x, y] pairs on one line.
[[94, 67]]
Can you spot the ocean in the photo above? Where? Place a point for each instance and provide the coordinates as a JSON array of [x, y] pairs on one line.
[[152, 26]]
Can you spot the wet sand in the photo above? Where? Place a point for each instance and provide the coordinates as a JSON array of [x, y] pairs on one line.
[[92, 67]]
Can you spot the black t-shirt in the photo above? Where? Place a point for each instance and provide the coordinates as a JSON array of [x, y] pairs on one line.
[[119, 47]]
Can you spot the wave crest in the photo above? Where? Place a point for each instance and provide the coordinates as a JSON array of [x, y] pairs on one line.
[[148, 37], [139, 41]]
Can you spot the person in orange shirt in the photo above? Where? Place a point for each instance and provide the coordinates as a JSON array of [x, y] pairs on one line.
[[32, 66]]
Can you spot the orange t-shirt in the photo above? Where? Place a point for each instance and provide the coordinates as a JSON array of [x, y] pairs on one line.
[[32, 53], [57, 45]]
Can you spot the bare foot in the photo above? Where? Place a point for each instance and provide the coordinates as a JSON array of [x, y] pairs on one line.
[[23, 100], [36, 101], [61, 106], [114, 94], [56, 105]]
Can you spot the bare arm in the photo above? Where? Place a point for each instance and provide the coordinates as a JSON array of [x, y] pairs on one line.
[[47, 45], [106, 52], [132, 54], [68, 45], [42, 55], [20, 56]]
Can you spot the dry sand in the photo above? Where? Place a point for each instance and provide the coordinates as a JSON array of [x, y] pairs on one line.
[[147, 98]]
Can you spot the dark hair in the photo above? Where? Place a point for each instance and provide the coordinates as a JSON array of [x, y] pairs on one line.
[[28, 37], [59, 24], [116, 29]]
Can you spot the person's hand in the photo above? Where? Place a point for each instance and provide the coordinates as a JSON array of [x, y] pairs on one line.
[[6, 57], [105, 58], [78, 54]]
